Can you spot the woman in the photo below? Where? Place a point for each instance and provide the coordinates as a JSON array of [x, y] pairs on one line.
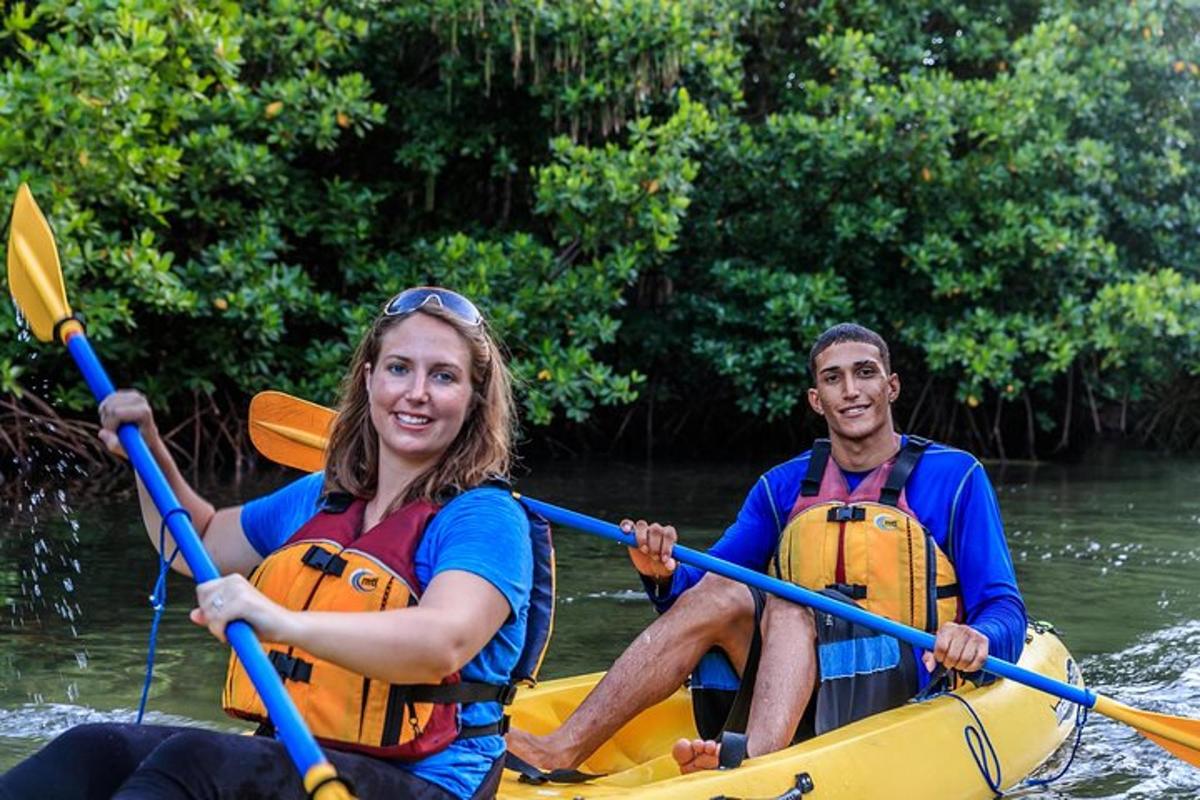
[[425, 420]]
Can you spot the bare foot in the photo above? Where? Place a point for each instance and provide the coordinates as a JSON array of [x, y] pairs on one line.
[[694, 755], [537, 750]]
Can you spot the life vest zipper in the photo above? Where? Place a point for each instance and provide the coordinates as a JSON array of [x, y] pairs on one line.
[[839, 573], [912, 576]]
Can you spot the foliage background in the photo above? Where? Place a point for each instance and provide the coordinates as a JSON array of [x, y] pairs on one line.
[[658, 204]]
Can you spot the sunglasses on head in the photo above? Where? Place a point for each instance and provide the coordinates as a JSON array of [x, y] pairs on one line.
[[411, 300]]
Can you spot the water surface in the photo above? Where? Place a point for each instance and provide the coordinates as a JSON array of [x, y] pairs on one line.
[[1108, 550]]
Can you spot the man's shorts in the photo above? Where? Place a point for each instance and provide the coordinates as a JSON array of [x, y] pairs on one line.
[[859, 673]]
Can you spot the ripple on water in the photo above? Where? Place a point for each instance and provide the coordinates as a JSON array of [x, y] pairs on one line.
[[1161, 673], [618, 595], [24, 728]]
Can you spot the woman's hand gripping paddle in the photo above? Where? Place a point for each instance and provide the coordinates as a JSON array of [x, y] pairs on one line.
[[290, 442], [35, 279]]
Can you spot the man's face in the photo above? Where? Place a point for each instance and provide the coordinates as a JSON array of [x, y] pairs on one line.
[[854, 393]]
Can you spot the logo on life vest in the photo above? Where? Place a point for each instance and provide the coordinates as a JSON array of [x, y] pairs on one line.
[[886, 522], [363, 580]]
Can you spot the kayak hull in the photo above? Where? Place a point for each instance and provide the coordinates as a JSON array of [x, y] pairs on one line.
[[919, 750]]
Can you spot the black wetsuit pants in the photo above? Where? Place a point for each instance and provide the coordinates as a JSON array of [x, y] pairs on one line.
[[156, 762]]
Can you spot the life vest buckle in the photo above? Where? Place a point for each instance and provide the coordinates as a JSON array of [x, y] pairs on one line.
[[291, 668], [508, 694], [846, 514], [324, 561]]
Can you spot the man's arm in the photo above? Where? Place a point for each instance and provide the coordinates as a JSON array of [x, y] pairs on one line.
[[992, 602]]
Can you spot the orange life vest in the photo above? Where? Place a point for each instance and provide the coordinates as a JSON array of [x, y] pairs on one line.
[[868, 544], [330, 564]]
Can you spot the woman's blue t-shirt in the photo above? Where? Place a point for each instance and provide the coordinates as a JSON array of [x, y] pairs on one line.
[[484, 532]]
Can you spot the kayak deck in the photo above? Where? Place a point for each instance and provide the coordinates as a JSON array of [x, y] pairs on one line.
[[916, 751]]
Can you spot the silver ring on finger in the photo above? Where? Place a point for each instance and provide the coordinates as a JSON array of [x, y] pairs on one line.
[[217, 602]]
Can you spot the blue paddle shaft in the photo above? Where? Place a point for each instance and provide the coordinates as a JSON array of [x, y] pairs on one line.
[[805, 597], [290, 727]]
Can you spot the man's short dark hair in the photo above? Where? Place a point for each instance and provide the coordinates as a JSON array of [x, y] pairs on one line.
[[847, 332]]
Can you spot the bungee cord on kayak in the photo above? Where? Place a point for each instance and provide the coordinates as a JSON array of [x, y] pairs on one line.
[[158, 602]]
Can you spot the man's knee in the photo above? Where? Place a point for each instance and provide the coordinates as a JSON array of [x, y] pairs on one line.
[[723, 599], [791, 618], [715, 608]]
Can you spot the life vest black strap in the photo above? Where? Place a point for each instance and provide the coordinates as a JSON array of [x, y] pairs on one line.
[[335, 502], [532, 775], [464, 692], [448, 493], [947, 591], [497, 728], [324, 561], [810, 486], [291, 668], [931, 587], [906, 462], [855, 591]]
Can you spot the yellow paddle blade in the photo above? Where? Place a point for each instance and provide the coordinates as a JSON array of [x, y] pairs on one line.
[[290, 431], [34, 274], [1179, 736]]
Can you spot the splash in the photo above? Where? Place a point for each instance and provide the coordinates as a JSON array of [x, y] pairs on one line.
[[42, 544], [1160, 672]]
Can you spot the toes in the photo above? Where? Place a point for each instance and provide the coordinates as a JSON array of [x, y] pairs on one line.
[[696, 754], [683, 752]]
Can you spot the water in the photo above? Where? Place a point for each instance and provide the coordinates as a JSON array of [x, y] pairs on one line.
[[1108, 550]]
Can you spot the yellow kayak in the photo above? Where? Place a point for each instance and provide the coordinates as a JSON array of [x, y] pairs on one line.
[[916, 751]]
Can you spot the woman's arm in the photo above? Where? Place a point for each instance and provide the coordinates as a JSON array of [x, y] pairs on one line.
[[458, 615], [220, 529]]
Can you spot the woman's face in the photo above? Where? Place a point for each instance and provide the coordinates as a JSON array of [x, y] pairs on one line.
[[419, 391]]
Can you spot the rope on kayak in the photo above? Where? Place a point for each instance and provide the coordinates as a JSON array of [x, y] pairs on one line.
[[980, 746], [1081, 717], [158, 602], [977, 739]]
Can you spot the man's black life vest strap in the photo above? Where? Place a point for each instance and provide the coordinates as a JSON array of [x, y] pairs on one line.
[[855, 591], [931, 609], [532, 775], [906, 462], [465, 692], [817, 459]]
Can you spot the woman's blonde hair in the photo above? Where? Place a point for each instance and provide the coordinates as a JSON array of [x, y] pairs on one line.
[[482, 449]]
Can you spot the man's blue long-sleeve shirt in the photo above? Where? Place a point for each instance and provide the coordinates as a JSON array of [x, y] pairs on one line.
[[949, 492]]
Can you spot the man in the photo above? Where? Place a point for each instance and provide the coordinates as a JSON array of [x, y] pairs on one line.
[[923, 515]]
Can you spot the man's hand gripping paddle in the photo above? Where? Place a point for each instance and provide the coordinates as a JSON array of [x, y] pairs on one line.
[[36, 282], [294, 432]]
